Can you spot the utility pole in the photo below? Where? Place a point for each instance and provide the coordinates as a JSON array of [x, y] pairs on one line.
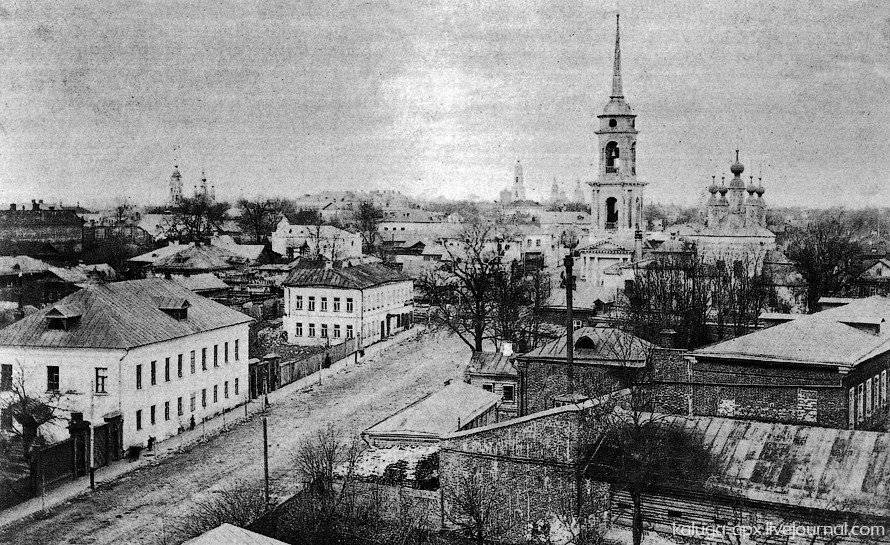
[[568, 262], [266, 458]]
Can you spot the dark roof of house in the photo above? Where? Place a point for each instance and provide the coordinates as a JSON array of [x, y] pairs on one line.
[[200, 258], [27, 247], [438, 413], [829, 338], [357, 277], [122, 315], [611, 346], [18, 218], [491, 363]]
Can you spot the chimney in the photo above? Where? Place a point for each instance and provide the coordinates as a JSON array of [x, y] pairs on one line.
[[507, 349], [447, 382], [667, 338], [34, 205], [12, 207]]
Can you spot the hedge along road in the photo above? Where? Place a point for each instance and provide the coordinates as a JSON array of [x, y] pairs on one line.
[[142, 506]]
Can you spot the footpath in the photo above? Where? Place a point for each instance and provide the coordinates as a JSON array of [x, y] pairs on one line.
[[204, 431]]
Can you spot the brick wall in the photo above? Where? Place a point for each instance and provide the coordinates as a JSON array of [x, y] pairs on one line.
[[542, 381]]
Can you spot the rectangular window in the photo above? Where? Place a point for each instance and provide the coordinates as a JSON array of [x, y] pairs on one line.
[[508, 392], [192, 404], [179, 366], [349, 332], [311, 303], [139, 419], [336, 331], [204, 359], [153, 370], [236, 350], [860, 403], [216, 355], [139, 377], [298, 302], [226, 353], [226, 389], [349, 304], [6, 377], [236, 386], [101, 379], [851, 408], [298, 331], [215, 393], [336, 304], [192, 361], [203, 397], [166, 410], [151, 415], [167, 369], [884, 387], [869, 402], [876, 392], [311, 330], [324, 331], [324, 304], [179, 407], [488, 387]]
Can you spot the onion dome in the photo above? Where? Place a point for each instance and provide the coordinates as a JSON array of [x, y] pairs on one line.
[[760, 191], [751, 187], [176, 173], [737, 168], [712, 189]]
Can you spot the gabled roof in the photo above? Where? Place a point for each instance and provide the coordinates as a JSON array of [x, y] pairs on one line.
[[825, 338], [122, 315], [201, 282], [227, 534], [20, 218], [85, 274], [158, 253], [611, 346], [438, 413], [200, 258], [491, 363], [357, 277]]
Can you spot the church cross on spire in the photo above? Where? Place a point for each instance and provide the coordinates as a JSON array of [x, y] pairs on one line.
[[616, 71]]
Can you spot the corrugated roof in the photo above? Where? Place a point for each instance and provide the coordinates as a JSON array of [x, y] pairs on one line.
[[357, 277], [820, 468], [611, 347], [122, 315], [491, 363], [439, 413], [824, 338]]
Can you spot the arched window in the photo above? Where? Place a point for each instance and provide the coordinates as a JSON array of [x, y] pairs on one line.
[[585, 343], [611, 213], [612, 157]]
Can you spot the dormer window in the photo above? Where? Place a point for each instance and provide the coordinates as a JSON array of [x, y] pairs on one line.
[[63, 317], [585, 343], [176, 307]]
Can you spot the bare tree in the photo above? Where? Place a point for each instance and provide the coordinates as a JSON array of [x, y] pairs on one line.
[[367, 219], [123, 211], [473, 503], [31, 409], [825, 254], [195, 218], [239, 504], [258, 217]]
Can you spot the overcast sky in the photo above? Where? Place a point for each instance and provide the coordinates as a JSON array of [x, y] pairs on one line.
[[100, 99]]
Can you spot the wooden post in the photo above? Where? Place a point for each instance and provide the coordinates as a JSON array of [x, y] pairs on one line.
[[266, 458]]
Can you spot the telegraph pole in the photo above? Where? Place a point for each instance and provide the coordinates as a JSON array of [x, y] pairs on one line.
[[570, 345]]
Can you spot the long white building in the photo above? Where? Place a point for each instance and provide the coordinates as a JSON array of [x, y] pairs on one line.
[[148, 351], [328, 306]]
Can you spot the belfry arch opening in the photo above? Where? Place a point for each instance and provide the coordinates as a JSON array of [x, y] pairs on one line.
[[612, 157], [633, 158], [611, 213]]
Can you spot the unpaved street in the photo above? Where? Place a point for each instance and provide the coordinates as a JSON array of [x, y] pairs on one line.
[[141, 506]]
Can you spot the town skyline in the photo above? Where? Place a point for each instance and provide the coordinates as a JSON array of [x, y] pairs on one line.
[[441, 102]]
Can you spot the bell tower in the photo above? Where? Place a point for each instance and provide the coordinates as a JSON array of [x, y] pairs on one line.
[[617, 194]]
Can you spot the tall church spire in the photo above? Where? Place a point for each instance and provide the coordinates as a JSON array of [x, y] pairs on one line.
[[616, 70]]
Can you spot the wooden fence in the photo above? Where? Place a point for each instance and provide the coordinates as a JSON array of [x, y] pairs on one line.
[[281, 373]]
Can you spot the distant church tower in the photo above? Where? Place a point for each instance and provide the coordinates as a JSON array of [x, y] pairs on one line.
[[175, 186], [518, 184], [617, 195]]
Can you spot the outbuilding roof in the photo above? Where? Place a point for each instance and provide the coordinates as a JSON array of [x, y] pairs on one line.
[[438, 413], [121, 315], [356, 277], [595, 345], [491, 363]]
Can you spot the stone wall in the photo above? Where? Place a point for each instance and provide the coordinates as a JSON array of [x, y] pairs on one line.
[[542, 381]]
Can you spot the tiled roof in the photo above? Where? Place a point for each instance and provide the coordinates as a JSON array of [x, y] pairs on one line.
[[490, 363], [824, 338], [27, 265], [810, 467], [121, 315], [439, 413], [357, 277], [611, 347]]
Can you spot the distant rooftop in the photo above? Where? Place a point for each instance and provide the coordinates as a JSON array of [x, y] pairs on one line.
[[596, 345], [357, 277]]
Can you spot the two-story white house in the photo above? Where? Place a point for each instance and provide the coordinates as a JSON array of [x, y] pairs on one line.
[[332, 243], [149, 351], [328, 305]]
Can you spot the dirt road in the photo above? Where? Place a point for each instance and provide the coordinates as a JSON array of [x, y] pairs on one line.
[[142, 506]]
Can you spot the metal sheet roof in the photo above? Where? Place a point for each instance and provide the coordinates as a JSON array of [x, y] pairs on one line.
[[122, 315], [357, 277], [611, 346]]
